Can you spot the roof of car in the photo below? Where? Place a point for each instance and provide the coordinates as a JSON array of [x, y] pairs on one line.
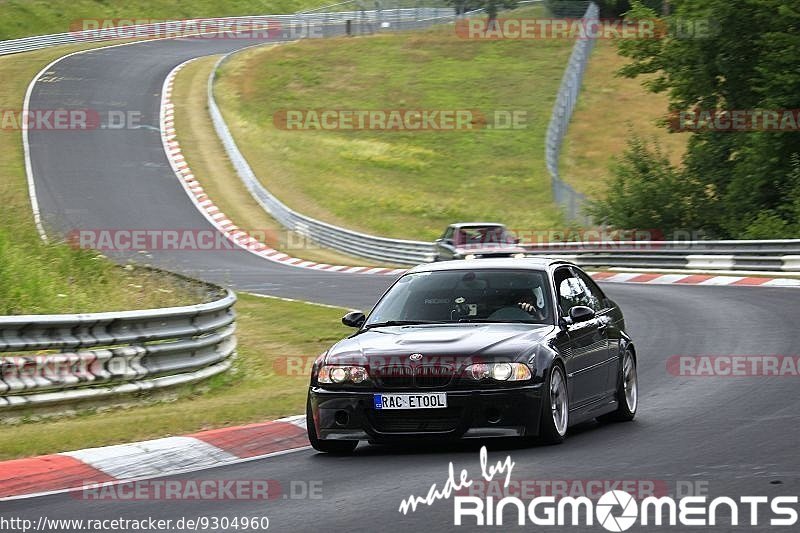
[[471, 224], [533, 263]]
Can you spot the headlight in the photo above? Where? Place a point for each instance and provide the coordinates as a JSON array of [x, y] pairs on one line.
[[469, 256], [338, 374], [358, 374], [499, 371], [342, 374], [518, 256]]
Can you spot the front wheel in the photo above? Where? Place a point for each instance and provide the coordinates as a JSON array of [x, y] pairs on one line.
[[627, 392], [334, 447], [555, 408]]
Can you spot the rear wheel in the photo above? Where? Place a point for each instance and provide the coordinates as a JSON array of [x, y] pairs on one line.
[[627, 391], [334, 447], [555, 408]]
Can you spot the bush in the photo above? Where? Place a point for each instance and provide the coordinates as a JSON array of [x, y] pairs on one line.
[[647, 192]]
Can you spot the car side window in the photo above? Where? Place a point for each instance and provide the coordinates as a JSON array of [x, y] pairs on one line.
[[594, 295], [570, 290], [448, 234]]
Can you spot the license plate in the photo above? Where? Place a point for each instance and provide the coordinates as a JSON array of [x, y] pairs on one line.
[[425, 400]]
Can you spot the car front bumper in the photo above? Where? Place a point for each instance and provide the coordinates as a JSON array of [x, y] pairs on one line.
[[350, 415]]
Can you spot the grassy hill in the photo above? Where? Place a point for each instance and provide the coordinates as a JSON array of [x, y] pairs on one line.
[[400, 183], [609, 109], [37, 17]]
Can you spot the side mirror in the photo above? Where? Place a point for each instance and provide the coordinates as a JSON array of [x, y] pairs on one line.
[[581, 313], [354, 319]]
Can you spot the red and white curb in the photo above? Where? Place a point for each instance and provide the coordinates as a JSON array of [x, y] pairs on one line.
[[73, 471], [693, 279], [216, 217]]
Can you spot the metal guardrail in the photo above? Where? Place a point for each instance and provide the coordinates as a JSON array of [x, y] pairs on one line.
[[781, 255], [47, 359], [563, 194], [364, 20]]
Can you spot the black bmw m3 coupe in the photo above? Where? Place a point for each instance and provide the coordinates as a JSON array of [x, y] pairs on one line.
[[469, 349]]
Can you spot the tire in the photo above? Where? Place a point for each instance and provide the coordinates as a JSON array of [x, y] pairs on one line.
[[333, 447], [627, 391], [555, 407]]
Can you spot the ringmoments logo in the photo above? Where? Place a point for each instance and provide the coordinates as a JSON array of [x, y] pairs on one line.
[[605, 510], [615, 510]]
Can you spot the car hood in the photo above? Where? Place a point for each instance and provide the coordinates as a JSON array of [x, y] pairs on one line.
[[454, 342]]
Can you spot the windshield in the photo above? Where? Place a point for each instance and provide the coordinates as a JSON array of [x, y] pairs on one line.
[[487, 236], [466, 296]]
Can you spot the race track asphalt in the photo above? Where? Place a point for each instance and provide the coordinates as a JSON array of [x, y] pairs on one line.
[[735, 436], [110, 178]]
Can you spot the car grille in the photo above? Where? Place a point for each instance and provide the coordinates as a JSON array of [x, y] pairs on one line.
[[415, 420], [407, 377], [395, 376], [430, 376]]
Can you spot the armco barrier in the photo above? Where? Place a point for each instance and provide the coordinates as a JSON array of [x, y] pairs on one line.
[[48, 359], [780, 255]]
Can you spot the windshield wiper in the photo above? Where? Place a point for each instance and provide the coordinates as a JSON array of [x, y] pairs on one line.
[[497, 321], [403, 323]]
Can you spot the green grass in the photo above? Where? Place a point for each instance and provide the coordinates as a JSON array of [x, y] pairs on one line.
[[37, 278], [256, 389], [37, 17], [400, 184]]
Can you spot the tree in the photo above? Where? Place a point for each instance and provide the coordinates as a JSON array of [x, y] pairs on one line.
[[723, 55], [648, 193]]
